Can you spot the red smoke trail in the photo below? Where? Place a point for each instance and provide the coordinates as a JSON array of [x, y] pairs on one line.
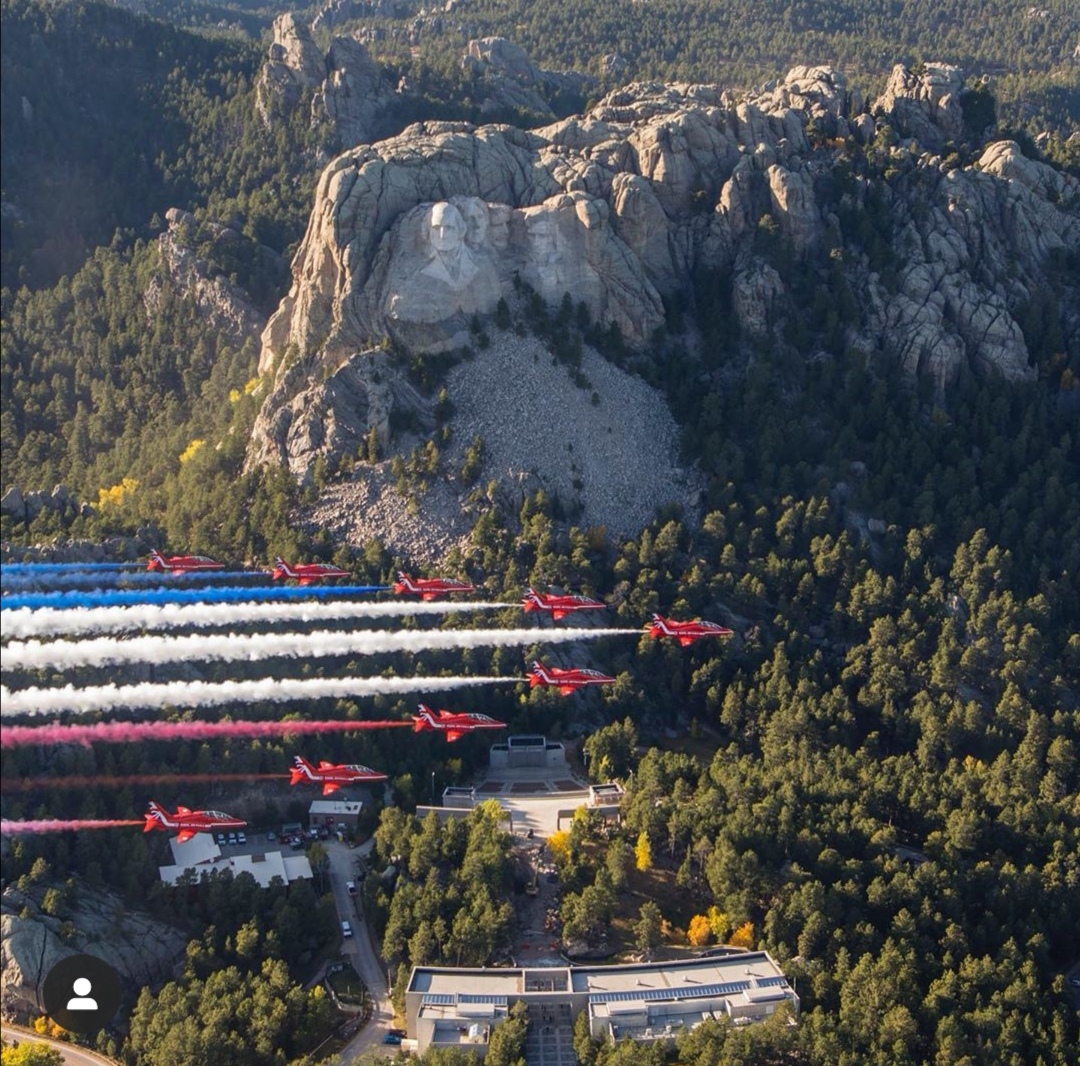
[[55, 825], [22, 736], [29, 784]]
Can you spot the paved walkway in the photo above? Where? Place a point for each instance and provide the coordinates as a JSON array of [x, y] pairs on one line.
[[71, 1053]]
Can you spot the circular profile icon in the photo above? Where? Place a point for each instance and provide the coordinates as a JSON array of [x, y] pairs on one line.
[[81, 993]]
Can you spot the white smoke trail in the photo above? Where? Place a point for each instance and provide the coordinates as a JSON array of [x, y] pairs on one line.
[[237, 647], [25, 622], [42, 701]]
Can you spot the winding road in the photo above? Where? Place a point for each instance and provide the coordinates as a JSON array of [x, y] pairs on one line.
[[360, 951]]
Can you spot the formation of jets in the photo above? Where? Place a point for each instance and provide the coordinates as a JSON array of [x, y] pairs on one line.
[[452, 726], [428, 588], [189, 822], [330, 775], [182, 564], [566, 681], [559, 605], [306, 573]]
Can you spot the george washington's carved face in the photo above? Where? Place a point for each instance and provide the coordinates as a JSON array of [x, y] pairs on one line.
[[447, 228]]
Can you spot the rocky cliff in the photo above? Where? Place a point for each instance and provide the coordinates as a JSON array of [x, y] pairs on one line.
[[348, 89], [143, 951], [411, 237]]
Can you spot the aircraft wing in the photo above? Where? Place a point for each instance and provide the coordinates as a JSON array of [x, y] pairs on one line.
[[329, 788], [185, 835], [454, 734]]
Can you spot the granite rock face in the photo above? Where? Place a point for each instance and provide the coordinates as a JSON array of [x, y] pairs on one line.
[[513, 80], [143, 951], [348, 88], [620, 207], [294, 63], [925, 103], [221, 304]]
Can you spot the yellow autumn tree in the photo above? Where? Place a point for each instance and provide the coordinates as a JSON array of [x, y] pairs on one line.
[[743, 937], [719, 923], [117, 494], [559, 846], [699, 932], [643, 853], [190, 451]]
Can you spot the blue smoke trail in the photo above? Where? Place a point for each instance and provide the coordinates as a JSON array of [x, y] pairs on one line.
[[54, 568], [138, 577], [126, 597]]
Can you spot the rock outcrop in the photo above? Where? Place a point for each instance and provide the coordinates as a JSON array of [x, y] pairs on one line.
[[513, 81], [924, 103], [349, 89], [294, 63], [25, 507], [222, 305], [143, 951], [334, 415], [412, 236], [355, 95]]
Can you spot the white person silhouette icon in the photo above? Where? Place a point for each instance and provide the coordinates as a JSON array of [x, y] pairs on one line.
[[81, 1000]]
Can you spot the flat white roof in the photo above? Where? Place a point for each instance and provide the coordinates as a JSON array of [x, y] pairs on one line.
[[646, 982], [335, 807], [199, 849], [263, 867], [498, 981], [643, 978], [297, 867]]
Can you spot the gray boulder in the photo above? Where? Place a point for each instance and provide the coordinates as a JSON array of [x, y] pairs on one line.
[[143, 951]]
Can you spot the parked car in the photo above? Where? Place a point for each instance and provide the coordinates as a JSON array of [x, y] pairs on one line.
[[391, 1038], [350, 887], [271, 836], [241, 838], [346, 930], [219, 839], [232, 838]]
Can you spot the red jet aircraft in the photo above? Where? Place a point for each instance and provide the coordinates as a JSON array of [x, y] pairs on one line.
[[453, 725], [331, 776], [427, 588], [189, 822], [306, 573], [182, 564], [559, 606], [686, 632], [566, 681]]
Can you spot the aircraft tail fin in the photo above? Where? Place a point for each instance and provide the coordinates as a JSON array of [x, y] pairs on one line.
[[156, 818], [424, 720], [301, 771]]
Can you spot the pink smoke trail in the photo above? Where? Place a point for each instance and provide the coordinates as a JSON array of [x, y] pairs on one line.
[[21, 736], [56, 825]]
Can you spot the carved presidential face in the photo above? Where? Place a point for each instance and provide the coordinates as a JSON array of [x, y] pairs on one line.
[[447, 228], [476, 221]]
